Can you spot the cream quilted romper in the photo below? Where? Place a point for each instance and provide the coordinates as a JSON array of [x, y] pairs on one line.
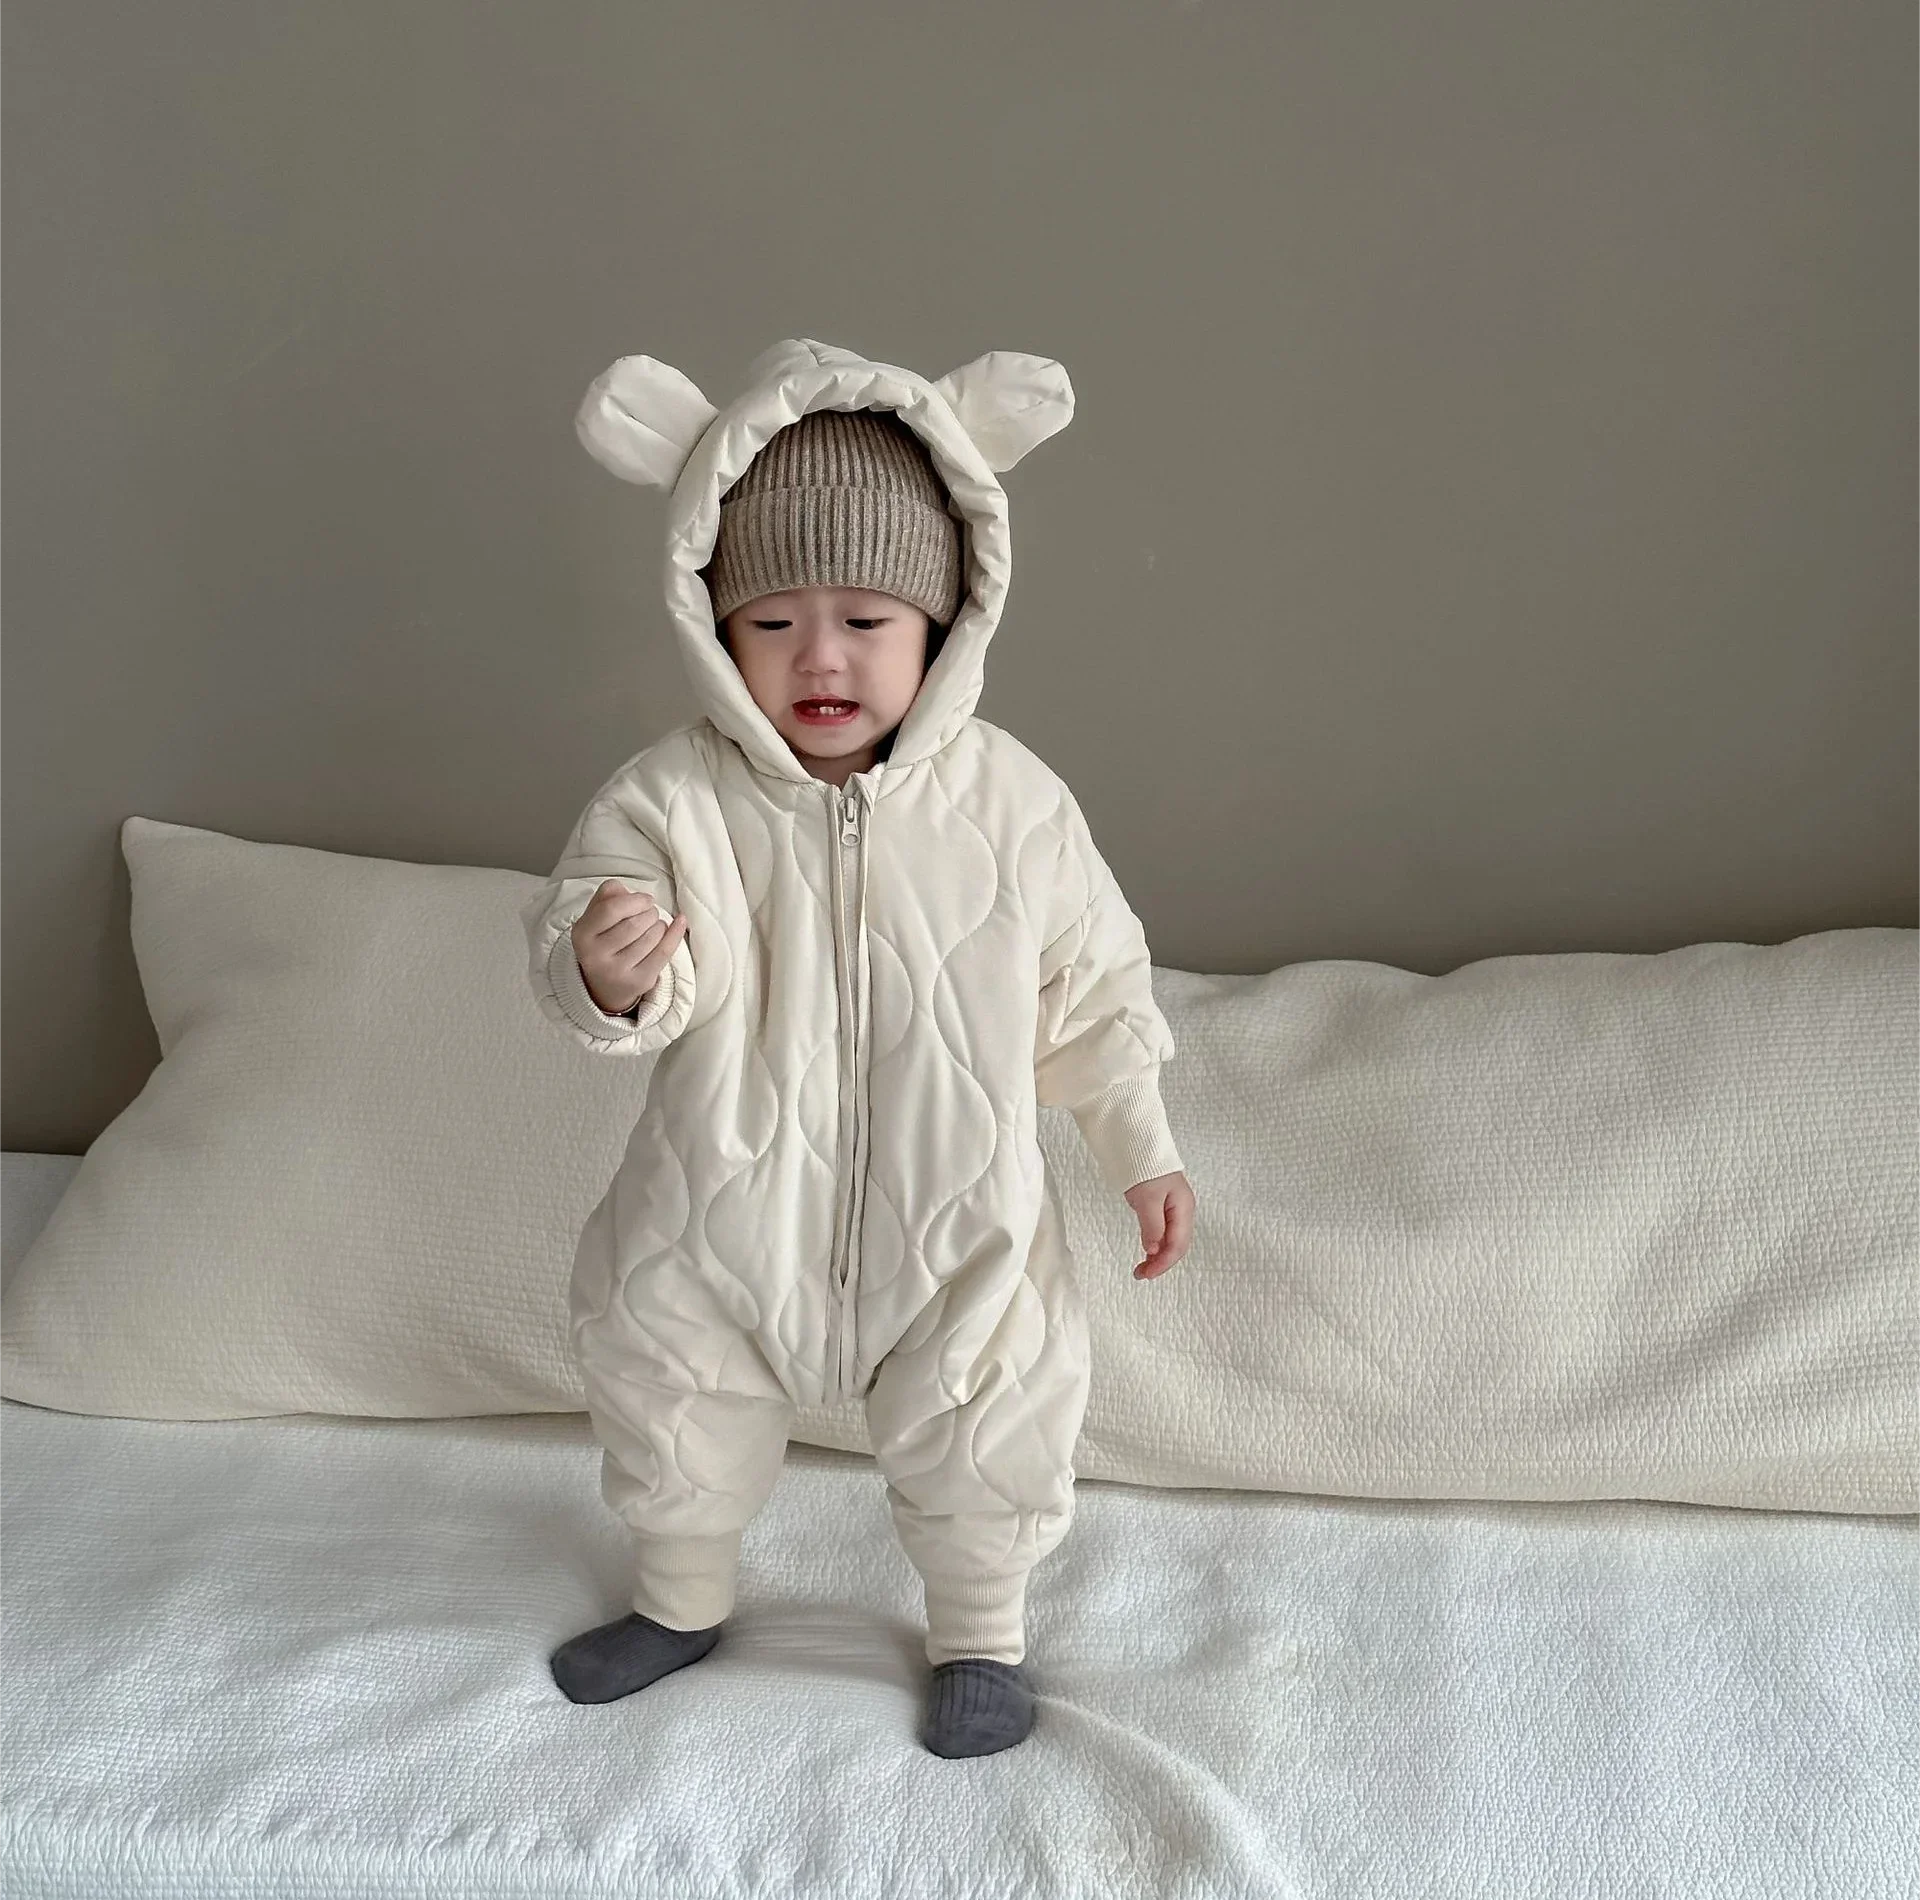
[[835, 1191]]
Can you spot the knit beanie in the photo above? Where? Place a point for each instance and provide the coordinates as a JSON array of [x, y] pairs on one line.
[[839, 498]]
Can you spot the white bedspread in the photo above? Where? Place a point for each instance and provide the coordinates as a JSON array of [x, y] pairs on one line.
[[306, 1657]]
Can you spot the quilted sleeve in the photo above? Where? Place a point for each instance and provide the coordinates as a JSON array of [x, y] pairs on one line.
[[612, 838], [1101, 1037]]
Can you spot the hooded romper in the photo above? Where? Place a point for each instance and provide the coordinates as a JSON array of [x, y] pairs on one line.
[[835, 1189]]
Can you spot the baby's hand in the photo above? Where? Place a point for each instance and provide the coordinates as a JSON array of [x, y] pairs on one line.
[[1165, 1209], [623, 944]]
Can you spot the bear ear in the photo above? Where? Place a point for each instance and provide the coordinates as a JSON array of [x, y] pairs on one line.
[[641, 419], [1008, 401]]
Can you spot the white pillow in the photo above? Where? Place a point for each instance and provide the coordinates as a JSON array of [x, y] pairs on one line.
[[1572, 1226], [351, 1184]]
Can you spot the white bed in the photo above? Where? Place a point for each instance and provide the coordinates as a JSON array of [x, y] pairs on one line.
[[306, 1656]]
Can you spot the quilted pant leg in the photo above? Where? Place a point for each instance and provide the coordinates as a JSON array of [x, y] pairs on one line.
[[693, 1428], [973, 1418]]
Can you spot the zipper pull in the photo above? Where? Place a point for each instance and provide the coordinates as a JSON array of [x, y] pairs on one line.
[[849, 821]]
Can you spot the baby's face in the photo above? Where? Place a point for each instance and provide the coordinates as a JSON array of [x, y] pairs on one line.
[[845, 643]]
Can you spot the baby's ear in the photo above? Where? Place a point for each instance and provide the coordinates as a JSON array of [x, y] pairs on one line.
[[1008, 401], [641, 419]]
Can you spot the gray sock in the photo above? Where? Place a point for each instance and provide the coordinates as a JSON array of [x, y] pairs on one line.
[[604, 1664], [977, 1706]]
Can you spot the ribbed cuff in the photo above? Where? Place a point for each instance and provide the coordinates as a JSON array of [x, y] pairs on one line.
[[570, 992], [687, 1583], [1125, 1128], [977, 1616]]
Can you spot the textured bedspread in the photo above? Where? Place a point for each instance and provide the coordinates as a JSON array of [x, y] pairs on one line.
[[306, 1657]]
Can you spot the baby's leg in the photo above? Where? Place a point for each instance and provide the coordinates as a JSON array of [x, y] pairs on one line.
[[693, 1429], [981, 1488]]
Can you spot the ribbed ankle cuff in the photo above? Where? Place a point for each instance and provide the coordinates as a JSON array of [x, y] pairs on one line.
[[977, 1616], [687, 1583]]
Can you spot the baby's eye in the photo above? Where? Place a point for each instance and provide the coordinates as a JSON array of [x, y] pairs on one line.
[[864, 623]]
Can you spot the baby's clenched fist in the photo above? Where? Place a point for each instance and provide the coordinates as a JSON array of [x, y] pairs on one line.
[[622, 944]]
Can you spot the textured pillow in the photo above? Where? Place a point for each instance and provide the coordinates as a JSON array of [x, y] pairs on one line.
[[350, 1184], [1572, 1226]]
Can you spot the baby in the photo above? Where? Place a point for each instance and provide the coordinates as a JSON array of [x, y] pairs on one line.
[[868, 933]]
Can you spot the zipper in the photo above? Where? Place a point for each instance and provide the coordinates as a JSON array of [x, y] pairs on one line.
[[846, 813]]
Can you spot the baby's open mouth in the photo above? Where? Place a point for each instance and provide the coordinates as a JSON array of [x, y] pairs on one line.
[[826, 708]]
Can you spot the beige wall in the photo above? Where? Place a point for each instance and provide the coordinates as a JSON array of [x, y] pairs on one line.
[[1489, 524]]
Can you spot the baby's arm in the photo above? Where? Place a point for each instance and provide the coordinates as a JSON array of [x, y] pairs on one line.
[[622, 835], [1101, 1037]]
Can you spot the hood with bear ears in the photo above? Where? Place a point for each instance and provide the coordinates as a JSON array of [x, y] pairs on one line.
[[650, 424]]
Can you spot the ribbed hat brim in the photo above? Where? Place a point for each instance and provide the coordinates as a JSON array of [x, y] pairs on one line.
[[837, 537], [839, 498]]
